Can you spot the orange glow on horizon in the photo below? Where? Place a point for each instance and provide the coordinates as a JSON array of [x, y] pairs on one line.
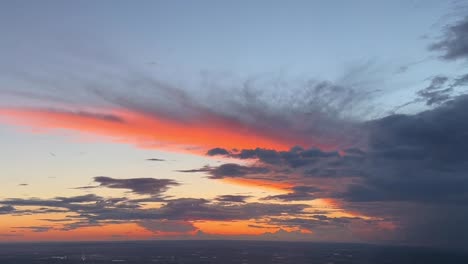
[[234, 228]]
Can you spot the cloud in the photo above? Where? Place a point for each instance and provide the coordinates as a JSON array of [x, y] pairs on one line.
[[217, 151], [265, 111], [155, 159], [440, 90], [232, 198], [149, 186], [436, 93], [295, 157], [454, 44], [230, 170], [35, 229], [414, 162], [91, 210], [300, 193], [413, 158], [418, 157], [7, 209]]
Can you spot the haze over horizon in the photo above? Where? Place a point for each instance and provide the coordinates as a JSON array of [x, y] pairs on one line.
[[254, 120]]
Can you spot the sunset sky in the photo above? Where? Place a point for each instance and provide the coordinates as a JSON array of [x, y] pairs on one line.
[[272, 120]]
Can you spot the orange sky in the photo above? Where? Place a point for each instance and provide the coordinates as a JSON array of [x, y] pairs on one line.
[[151, 132], [154, 132]]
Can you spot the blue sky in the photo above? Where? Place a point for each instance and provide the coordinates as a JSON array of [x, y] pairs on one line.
[[317, 38]]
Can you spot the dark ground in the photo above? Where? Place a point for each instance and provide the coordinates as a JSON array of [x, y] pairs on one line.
[[223, 252]]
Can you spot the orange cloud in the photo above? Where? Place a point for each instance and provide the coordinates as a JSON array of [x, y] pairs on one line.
[[149, 131], [264, 184]]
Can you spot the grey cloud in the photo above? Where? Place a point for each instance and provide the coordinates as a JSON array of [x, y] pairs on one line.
[[296, 157], [460, 81], [418, 157], [78, 204], [149, 186], [217, 151], [200, 209], [454, 44], [229, 170], [92, 211], [306, 223], [413, 158], [155, 159], [232, 198], [436, 92], [36, 229], [7, 209], [300, 193]]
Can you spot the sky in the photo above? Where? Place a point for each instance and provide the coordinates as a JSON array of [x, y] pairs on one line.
[[258, 120]]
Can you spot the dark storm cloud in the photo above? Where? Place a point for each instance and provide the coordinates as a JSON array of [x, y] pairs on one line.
[[413, 158], [454, 44], [418, 157], [149, 186], [232, 198], [412, 167]]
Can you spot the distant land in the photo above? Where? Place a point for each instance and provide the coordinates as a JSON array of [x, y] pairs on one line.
[[222, 252]]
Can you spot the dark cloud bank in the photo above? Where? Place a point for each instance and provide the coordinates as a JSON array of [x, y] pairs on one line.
[[413, 171]]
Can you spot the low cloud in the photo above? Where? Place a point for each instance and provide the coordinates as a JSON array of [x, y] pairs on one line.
[[232, 198], [7, 209]]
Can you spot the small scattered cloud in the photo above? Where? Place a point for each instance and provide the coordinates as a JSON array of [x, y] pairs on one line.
[[155, 159], [35, 229], [232, 198]]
